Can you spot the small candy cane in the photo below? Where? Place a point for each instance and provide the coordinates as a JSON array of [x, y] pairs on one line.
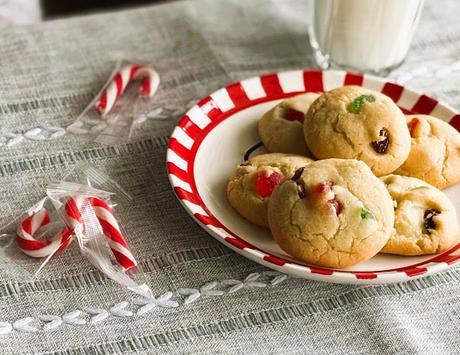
[[40, 248], [108, 223], [149, 85]]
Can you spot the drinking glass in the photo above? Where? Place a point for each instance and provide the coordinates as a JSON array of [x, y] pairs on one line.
[[363, 35]]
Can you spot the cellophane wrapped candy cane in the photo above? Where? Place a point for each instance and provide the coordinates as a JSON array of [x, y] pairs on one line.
[[75, 216], [149, 85], [119, 108], [41, 248], [104, 217]]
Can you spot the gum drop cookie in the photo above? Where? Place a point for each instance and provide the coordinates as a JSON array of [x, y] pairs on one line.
[[425, 219], [435, 151], [332, 213], [352, 122], [281, 128], [251, 185]]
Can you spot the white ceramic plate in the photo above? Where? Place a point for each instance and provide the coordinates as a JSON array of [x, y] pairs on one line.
[[212, 138]]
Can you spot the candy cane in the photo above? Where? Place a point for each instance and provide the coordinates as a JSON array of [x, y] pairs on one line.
[[108, 223], [149, 85], [40, 248]]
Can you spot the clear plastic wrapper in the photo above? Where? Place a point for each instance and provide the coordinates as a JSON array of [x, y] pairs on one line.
[[123, 103], [78, 212]]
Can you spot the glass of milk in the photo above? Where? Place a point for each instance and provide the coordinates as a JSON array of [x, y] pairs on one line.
[[363, 35]]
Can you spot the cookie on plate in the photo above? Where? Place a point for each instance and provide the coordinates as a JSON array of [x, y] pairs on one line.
[[333, 213], [251, 185], [425, 219], [281, 128], [352, 122], [435, 151]]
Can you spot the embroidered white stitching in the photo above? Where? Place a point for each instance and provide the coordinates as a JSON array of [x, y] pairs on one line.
[[49, 132], [23, 325], [119, 310], [73, 318], [98, 314], [5, 328], [50, 322], [146, 308]]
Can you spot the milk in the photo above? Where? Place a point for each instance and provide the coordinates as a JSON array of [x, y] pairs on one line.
[[367, 35]]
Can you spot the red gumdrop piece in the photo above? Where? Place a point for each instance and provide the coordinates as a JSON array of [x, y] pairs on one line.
[[294, 115], [337, 206], [412, 125], [266, 184], [324, 186]]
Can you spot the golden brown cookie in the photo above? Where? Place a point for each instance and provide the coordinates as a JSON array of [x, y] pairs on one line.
[[332, 213], [352, 122], [435, 151], [281, 128], [250, 186], [425, 219]]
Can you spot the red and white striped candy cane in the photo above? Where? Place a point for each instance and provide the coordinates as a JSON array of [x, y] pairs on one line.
[[109, 225], [40, 248], [149, 85]]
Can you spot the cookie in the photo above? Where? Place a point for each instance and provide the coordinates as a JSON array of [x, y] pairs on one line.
[[425, 219], [251, 185], [352, 122], [435, 151], [324, 216], [281, 128]]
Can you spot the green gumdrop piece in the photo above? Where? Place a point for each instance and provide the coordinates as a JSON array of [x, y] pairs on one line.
[[419, 188], [366, 214], [357, 104]]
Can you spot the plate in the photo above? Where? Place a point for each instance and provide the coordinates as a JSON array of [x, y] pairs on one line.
[[212, 138]]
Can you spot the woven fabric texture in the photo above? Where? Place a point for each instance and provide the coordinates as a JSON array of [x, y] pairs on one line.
[[48, 74]]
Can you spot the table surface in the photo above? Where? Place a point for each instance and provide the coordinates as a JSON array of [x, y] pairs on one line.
[[48, 74]]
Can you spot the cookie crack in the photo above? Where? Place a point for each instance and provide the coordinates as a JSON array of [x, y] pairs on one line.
[[314, 235], [291, 218], [343, 134], [444, 162], [315, 249]]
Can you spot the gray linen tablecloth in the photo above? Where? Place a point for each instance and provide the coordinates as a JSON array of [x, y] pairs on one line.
[[49, 72]]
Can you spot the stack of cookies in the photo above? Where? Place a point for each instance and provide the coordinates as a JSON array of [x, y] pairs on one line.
[[350, 176]]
